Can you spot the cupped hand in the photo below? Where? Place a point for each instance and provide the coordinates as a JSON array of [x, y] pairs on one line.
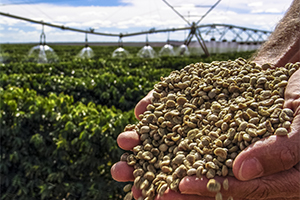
[[267, 169]]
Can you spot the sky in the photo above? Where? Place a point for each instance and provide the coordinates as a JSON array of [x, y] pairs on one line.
[[127, 16]]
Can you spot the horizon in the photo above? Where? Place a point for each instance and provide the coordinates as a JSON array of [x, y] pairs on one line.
[[123, 16]]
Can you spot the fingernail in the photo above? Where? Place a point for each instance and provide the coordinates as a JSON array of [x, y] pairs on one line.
[[250, 169]]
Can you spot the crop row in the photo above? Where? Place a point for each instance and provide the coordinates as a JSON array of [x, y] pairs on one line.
[[59, 122], [105, 89], [53, 148]]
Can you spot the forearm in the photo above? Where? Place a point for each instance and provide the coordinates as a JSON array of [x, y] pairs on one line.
[[283, 45]]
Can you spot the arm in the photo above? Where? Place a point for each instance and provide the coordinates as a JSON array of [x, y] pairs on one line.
[[283, 45]]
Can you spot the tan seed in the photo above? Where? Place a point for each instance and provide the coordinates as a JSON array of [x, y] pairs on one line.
[[219, 196], [210, 173], [281, 131], [162, 189], [191, 172], [127, 188], [128, 196], [286, 124], [221, 152], [213, 185], [225, 184], [224, 170]]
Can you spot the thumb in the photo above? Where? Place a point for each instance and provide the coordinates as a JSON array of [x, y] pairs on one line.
[[141, 106], [269, 155]]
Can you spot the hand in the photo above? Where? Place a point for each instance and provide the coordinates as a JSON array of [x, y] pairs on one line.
[[277, 173], [277, 176]]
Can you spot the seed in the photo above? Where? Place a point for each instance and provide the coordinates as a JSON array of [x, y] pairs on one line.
[[210, 173], [212, 118], [192, 133], [162, 189], [210, 164], [145, 184], [242, 126], [147, 155], [269, 127], [149, 176], [124, 156], [191, 172], [170, 103], [213, 185], [252, 132], [247, 137], [229, 163], [144, 129], [261, 131], [180, 172], [227, 117], [138, 172], [208, 157], [143, 137], [218, 196], [225, 184], [288, 111], [281, 131], [224, 170], [128, 196], [127, 188], [137, 181], [175, 185], [190, 158], [163, 147], [261, 80], [266, 66], [286, 124], [218, 142], [199, 171], [226, 142], [198, 163], [166, 169], [181, 100], [254, 120], [221, 152]]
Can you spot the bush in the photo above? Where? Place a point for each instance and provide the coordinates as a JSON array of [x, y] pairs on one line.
[[59, 122], [53, 148]]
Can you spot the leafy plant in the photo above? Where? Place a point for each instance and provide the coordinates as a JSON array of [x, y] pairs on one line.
[[53, 148]]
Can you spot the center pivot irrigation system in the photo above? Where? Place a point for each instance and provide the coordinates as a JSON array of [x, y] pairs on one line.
[[216, 32]]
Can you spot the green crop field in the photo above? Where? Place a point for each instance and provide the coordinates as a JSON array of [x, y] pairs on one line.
[[59, 122]]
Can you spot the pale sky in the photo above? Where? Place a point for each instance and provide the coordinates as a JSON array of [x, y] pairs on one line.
[[127, 16]]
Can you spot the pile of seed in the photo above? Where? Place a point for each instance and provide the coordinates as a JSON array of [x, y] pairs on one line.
[[202, 117]]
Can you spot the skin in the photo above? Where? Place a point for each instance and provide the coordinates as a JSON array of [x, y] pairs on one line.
[[283, 45], [268, 169]]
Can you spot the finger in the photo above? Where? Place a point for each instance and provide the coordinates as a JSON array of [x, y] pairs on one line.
[[269, 155], [172, 195], [128, 139], [282, 185], [194, 185], [292, 93], [136, 192], [122, 172], [141, 106]]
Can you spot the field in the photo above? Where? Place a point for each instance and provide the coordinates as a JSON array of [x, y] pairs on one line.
[[59, 122]]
